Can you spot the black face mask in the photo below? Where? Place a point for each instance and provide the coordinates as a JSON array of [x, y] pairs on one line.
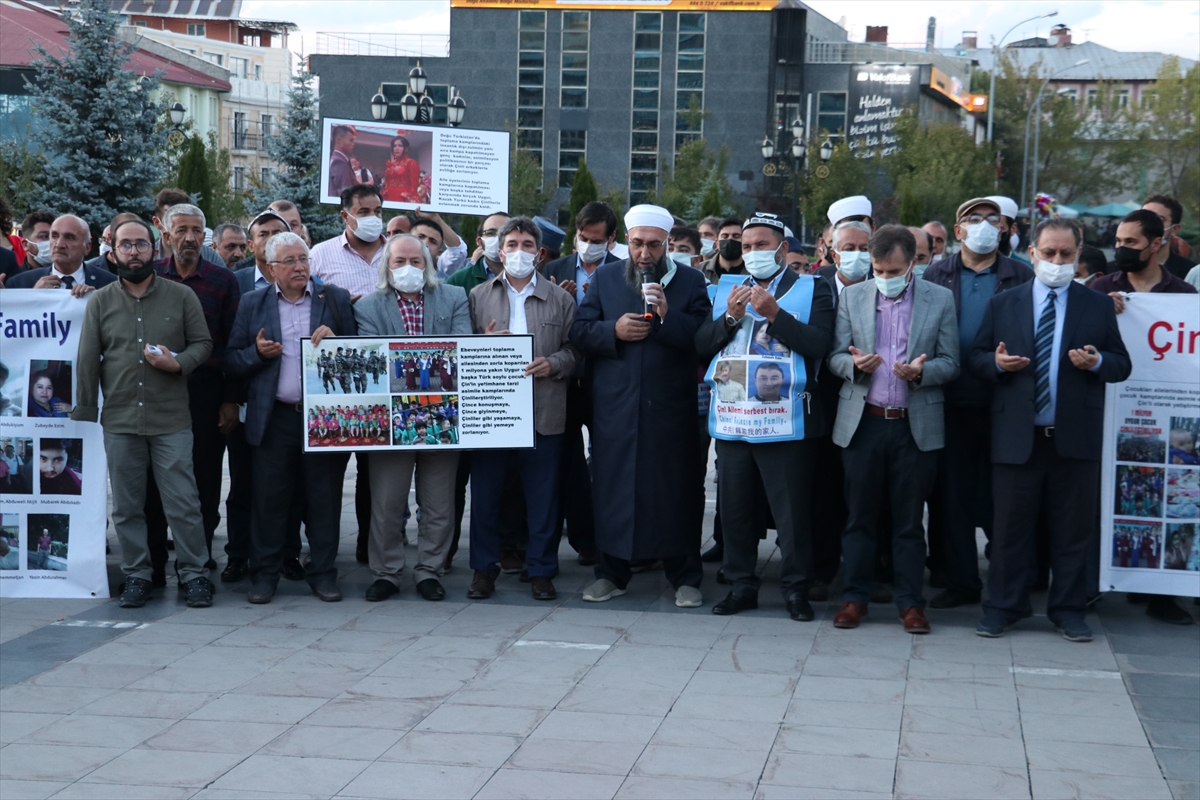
[[731, 249], [135, 274], [1129, 259]]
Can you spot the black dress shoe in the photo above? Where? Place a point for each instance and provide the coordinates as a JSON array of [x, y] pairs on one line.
[[360, 553], [381, 590], [431, 589], [953, 598], [589, 558], [799, 608], [543, 588], [210, 564], [714, 554], [293, 570], [158, 577], [721, 579], [327, 591], [234, 571], [733, 603], [260, 593]]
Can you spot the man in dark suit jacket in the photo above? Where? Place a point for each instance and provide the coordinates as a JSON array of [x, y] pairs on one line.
[[265, 348], [1047, 346], [959, 503], [69, 243]]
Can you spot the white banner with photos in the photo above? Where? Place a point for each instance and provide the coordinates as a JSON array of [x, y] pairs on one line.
[[53, 474], [1150, 484]]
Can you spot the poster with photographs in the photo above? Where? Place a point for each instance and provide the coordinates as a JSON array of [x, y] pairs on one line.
[[443, 169], [1150, 490], [400, 392]]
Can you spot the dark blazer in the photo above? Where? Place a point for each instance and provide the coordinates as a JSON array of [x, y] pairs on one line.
[[812, 341], [258, 311], [829, 275], [101, 262], [1079, 407], [8, 263], [1010, 273], [563, 269], [97, 277]]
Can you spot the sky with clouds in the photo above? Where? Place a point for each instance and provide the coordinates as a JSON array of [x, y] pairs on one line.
[[1169, 26]]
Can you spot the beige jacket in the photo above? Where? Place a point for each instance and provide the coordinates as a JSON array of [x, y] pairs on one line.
[[549, 312]]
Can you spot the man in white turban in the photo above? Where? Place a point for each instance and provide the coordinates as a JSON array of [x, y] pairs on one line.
[[638, 324]]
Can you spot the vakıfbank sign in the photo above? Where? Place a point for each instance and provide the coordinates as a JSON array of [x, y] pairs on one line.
[[878, 95]]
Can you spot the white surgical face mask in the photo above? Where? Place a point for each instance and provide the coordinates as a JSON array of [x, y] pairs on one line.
[[854, 265], [519, 263], [590, 252], [105, 249], [982, 238], [892, 287], [1014, 242], [708, 247], [407, 278], [491, 248], [42, 256], [682, 259], [761, 264], [369, 228], [1054, 275]]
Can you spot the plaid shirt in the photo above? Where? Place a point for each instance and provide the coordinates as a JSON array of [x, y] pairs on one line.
[[413, 313], [218, 292]]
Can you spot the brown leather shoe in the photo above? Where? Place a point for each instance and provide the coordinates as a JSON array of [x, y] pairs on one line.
[[914, 620], [543, 588], [850, 615], [483, 585], [511, 562]]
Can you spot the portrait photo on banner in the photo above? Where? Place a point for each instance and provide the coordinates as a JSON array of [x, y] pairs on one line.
[[395, 159], [51, 389], [60, 466], [10, 541], [46, 540], [1183, 550], [17, 464], [14, 388], [771, 381], [1184, 438]]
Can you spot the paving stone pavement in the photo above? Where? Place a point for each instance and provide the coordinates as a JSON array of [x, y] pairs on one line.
[[511, 697]]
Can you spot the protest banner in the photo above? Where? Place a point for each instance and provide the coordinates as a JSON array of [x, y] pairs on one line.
[[447, 170], [397, 392], [1150, 475], [53, 476], [759, 386]]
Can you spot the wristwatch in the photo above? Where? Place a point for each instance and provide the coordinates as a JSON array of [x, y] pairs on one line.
[[731, 320]]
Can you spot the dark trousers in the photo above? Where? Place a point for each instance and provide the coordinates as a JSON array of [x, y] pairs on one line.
[[239, 503], [784, 470], [362, 497], [702, 462], [1068, 491], [680, 570], [205, 393], [538, 469], [514, 533], [829, 510], [963, 497], [884, 467], [574, 478], [282, 469]]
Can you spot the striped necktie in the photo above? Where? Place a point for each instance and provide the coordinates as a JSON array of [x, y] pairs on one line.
[[1043, 342]]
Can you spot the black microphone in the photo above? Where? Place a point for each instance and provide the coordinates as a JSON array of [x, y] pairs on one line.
[[647, 277]]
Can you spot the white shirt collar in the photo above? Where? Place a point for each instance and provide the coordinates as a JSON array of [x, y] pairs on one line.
[[528, 287], [78, 275]]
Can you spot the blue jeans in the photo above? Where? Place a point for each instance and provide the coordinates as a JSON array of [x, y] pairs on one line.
[[539, 477]]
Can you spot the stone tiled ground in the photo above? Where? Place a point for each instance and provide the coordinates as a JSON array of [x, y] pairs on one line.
[[633, 698]]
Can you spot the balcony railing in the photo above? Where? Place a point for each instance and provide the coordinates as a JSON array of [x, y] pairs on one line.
[[413, 45], [249, 136]]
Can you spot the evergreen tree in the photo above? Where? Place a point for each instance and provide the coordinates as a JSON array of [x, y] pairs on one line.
[[526, 197], [583, 191], [194, 177], [296, 150], [94, 123], [910, 209]]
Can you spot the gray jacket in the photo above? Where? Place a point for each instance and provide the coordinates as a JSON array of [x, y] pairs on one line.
[[446, 313], [934, 332]]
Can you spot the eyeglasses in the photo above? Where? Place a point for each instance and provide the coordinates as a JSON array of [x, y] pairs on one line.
[[975, 219], [652, 245], [292, 263], [141, 245]]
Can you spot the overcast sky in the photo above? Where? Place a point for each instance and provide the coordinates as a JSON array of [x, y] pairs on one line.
[[1169, 26]]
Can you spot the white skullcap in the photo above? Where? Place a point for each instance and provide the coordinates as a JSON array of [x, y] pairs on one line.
[[1007, 206], [856, 206], [649, 216]]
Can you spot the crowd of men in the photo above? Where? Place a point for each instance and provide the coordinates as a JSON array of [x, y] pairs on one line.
[[937, 392]]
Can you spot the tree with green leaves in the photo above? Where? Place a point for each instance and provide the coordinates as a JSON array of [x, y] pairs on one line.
[[1166, 135], [226, 204], [194, 177], [21, 175], [697, 182], [928, 160], [844, 175], [296, 151], [94, 123], [910, 209], [583, 191], [526, 197]]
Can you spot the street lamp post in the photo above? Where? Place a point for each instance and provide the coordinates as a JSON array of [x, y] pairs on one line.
[[774, 167], [996, 62], [1036, 109], [417, 105]]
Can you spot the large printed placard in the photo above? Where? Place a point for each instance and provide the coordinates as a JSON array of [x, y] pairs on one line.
[[53, 492], [1150, 494], [449, 170], [397, 393]]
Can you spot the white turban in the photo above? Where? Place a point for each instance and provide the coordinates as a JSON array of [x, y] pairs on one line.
[[649, 216], [1007, 206], [856, 206]]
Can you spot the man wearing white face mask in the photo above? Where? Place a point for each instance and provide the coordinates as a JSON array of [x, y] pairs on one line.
[[785, 468], [959, 505], [351, 259], [518, 301], [411, 301], [895, 345], [1010, 239], [708, 229], [1047, 346], [491, 263]]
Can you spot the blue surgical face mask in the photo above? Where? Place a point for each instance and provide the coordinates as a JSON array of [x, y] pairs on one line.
[[761, 264], [708, 247], [918, 270], [682, 259], [854, 265], [892, 287]]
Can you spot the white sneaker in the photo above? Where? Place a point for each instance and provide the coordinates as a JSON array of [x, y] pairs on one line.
[[687, 597], [602, 590]]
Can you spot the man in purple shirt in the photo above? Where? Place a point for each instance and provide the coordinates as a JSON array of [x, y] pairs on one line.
[[895, 346], [341, 175]]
